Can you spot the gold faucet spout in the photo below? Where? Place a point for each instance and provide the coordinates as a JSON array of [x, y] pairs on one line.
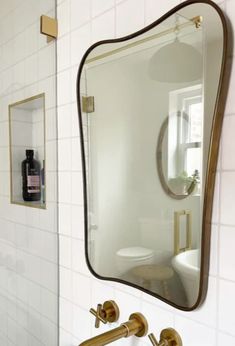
[[137, 325]]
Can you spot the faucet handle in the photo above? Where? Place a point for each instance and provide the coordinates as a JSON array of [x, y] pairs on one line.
[[98, 315], [107, 312], [168, 337], [153, 339]]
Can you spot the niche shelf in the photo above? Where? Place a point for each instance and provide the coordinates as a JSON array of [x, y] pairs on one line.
[[27, 131]]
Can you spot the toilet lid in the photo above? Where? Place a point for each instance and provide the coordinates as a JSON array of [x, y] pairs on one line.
[[135, 252]]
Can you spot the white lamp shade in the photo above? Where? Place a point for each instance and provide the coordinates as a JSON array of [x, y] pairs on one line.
[[176, 62]]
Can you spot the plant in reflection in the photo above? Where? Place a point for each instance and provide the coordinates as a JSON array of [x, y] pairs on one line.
[[185, 184]]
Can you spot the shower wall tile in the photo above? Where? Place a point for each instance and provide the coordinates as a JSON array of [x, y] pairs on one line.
[[129, 17], [97, 7], [78, 16], [226, 318], [28, 236], [226, 248], [213, 323], [228, 145], [63, 16], [103, 27]]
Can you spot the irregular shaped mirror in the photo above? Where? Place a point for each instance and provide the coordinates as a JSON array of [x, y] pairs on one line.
[[150, 109]]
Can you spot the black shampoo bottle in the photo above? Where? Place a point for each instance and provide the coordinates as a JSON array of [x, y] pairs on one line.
[[31, 178]]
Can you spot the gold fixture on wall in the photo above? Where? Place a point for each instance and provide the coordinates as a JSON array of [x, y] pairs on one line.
[[49, 27], [177, 215], [168, 337], [88, 104], [197, 21], [108, 312], [136, 325]]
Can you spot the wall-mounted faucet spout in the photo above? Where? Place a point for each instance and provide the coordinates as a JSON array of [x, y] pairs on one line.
[[137, 325]]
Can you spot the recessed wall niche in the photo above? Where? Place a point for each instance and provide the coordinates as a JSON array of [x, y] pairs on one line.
[[27, 152]]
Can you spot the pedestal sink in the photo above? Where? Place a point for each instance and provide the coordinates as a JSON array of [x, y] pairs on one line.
[[186, 264]]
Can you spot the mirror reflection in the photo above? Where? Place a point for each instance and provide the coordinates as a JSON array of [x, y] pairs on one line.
[[148, 105]]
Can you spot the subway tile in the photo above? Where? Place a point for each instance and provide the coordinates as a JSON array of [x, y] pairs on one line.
[[216, 199], [64, 155], [227, 199], [65, 187], [102, 291], [65, 338], [81, 323], [76, 154], [64, 87], [74, 116], [77, 222], [65, 219], [80, 41], [80, 13], [48, 217], [228, 144], [230, 11], [82, 291], [230, 105], [46, 67], [208, 308], [194, 333], [100, 6], [225, 339], [103, 27], [51, 124], [153, 11], [157, 318], [64, 121], [66, 290], [49, 277], [129, 17], [124, 300], [65, 251], [78, 257], [77, 188], [63, 53], [63, 16], [214, 250], [49, 306], [74, 72], [66, 315], [226, 253], [226, 306]]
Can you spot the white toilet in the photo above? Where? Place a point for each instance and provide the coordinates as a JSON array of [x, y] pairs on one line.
[[128, 258]]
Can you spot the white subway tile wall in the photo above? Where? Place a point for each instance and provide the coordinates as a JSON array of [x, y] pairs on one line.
[[80, 24], [28, 236]]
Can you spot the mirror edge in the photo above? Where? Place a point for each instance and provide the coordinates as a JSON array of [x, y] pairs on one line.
[[218, 116]]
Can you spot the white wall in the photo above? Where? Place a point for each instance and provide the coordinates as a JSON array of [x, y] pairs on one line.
[[125, 206], [83, 22], [28, 236]]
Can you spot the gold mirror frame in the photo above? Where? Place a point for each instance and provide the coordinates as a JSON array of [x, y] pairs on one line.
[[212, 157]]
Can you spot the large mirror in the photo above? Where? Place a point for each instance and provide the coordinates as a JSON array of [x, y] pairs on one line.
[[150, 109]]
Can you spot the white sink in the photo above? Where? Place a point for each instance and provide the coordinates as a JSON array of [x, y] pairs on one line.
[[186, 264]]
